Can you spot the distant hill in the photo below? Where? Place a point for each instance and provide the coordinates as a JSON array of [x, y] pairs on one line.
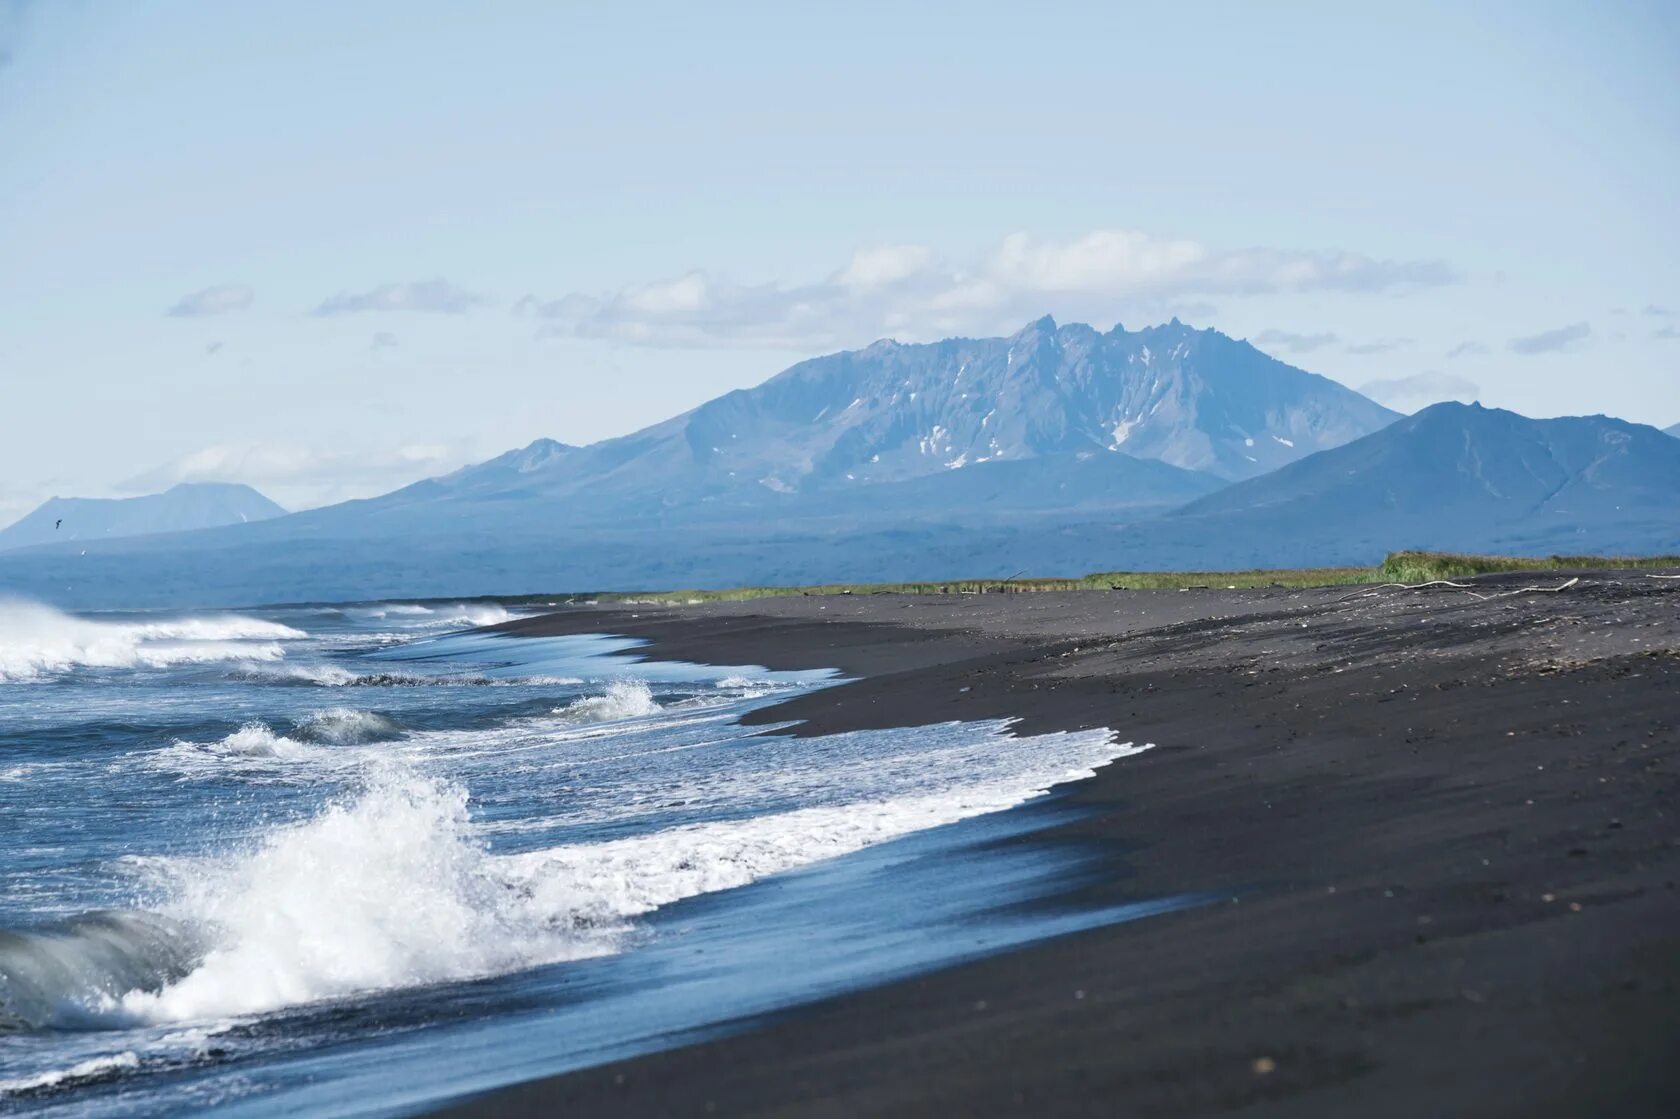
[[68, 520], [1462, 476], [1674, 431]]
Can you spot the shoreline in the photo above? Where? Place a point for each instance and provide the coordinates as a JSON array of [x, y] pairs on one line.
[[1444, 825]]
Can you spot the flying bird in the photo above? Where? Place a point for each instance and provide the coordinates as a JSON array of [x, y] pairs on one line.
[[57, 523]]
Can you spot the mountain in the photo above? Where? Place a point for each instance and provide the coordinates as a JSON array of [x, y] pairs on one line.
[[66, 520], [1191, 398], [1464, 477], [1674, 431], [1195, 399], [1049, 450], [849, 422], [828, 430]]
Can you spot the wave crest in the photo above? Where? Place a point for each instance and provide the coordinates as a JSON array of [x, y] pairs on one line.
[[37, 641], [624, 699], [396, 887], [347, 726], [61, 975]]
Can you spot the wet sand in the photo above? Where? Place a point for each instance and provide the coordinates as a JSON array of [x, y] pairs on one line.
[[1444, 828]]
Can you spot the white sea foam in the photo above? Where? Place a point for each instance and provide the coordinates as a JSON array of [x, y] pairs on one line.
[[93, 1069], [256, 740], [334, 676], [255, 743], [601, 885], [390, 889], [322, 675], [624, 699], [391, 610], [37, 641], [455, 615], [314, 739], [396, 887]]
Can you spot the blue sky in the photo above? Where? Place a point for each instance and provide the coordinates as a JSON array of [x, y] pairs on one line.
[[329, 249]]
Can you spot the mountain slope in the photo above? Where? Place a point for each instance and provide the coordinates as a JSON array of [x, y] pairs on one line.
[[1674, 431], [851, 422], [1194, 399], [66, 520], [1464, 476]]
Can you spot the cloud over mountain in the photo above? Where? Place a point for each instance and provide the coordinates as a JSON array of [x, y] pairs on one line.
[[1408, 394], [1294, 343], [433, 296], [1551, 341], [216, 300], [910, 292], [303, 475]]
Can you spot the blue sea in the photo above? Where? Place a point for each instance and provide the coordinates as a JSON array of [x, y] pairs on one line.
[[365, 859]]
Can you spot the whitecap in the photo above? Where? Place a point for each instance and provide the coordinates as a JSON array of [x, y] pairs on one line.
[[37, 641], [396, 887], [90, 1071], [624, 699]]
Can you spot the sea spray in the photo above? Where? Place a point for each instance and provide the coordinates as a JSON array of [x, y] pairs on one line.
[[624, 699], [389, 888], [37, 641], [395, 887]]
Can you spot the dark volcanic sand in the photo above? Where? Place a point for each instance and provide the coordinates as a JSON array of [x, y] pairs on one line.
[[1446, 828]]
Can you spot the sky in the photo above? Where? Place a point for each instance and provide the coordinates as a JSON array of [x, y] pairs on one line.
[[329, 249]]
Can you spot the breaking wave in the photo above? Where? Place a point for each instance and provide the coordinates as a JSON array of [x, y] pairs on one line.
[[624, 699], [312, 739], [256, 740], [333, 676], [455, 615], [396, 887], [347, 726], [91, 1071], [37, 641], [61, 975]]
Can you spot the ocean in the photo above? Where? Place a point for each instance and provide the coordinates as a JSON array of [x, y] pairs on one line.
[[363, 859]]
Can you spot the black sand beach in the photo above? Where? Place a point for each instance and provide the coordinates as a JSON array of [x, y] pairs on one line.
[[1445, 827]]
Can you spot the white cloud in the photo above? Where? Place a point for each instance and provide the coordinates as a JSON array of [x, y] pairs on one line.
[[217, 300], [434, 296], [1379, 346], [1551, 341], [890, 264], [1294, 343], [908, 291], [301, 476], [1408, 394]]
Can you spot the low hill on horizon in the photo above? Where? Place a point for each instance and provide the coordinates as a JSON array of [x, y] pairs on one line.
[[183, 507], [1466, 478]]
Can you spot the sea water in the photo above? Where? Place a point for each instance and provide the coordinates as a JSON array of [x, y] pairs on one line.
[[362, 859]]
